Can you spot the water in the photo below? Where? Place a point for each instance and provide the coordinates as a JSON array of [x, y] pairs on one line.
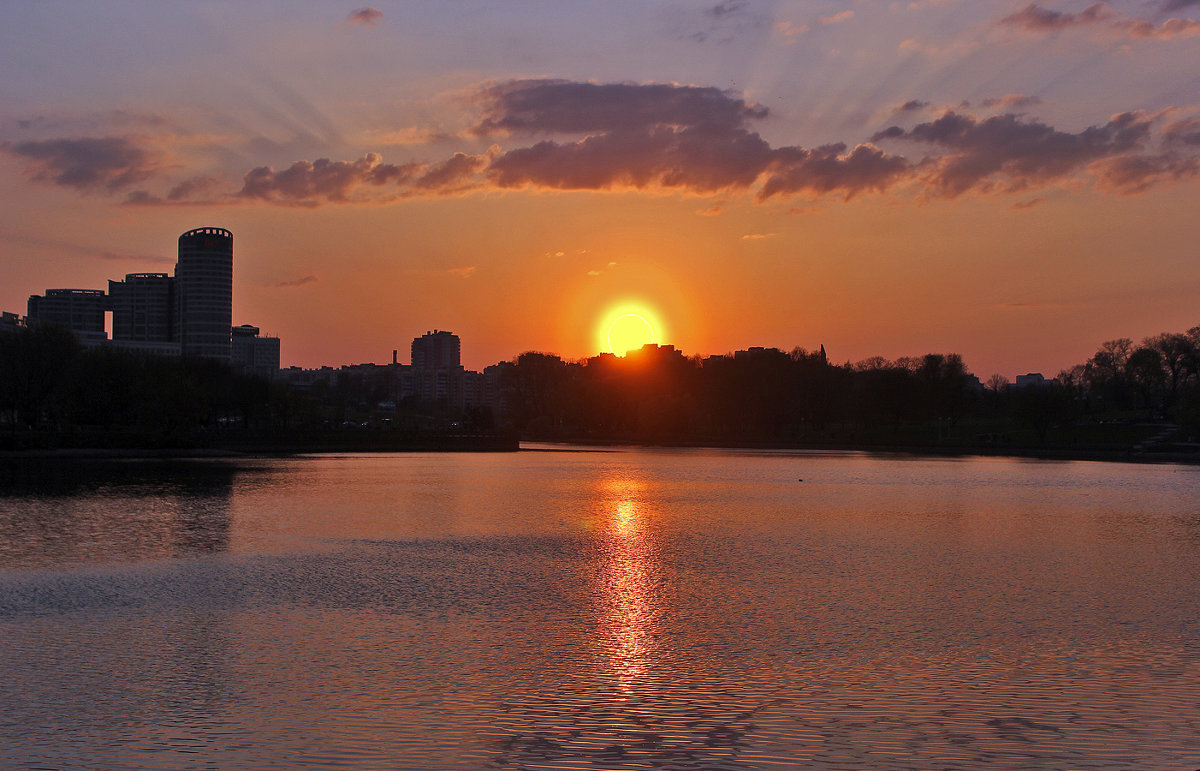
[[629, 609]]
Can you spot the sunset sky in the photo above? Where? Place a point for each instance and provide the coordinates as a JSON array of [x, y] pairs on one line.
[[1013, 182]]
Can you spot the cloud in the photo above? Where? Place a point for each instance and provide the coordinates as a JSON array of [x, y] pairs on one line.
[[88, 163], [1184, 132], [568, 107], [368, 16], [1137, 173], [1035, 18], [726, 8], [296, 282], [711, 211], [666, 136], [953, 49], [1029, 204], [1010, 101], [191, 188], [1007, 153], [452, 175], [830, 169], [464, 272], [757, 236], [690, 138], [789, 31], [1171, 28], [564, 135], [838, 17], [323, 180]]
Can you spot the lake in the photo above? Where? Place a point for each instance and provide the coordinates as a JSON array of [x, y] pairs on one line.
[[630, 608]]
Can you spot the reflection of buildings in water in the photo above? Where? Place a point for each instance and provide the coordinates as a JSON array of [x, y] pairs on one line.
[[203, 523], [58, 513], [628, 588]]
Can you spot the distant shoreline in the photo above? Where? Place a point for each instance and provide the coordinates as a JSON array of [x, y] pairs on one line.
[[1098, 454], [510, 444], [269, 446]]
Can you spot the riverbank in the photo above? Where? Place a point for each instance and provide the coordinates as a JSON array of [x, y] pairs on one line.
[[236, 444], [279, 444], [1185, 454]]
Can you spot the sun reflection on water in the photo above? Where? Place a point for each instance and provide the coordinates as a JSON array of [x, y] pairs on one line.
[[628, 586]]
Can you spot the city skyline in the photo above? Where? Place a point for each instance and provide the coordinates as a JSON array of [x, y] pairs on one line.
[[1012, 182]]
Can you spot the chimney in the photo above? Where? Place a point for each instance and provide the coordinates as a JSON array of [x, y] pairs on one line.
[[393, 356]]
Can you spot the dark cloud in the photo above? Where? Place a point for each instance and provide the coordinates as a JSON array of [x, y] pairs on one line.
[[1184, 132], [1137, 173], [695, 159], [313, 182], [723, 22], [639, 136], [912, 105], [1035, 18], [829, 169], [726, 8], [557, 106], [88, 163], [453, 175], [365, 16], [296, 282], [1029, 204], [1005, 152], [562, 135], [681, 137]]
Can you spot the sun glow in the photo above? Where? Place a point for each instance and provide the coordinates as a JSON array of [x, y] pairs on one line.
[[627, 328]]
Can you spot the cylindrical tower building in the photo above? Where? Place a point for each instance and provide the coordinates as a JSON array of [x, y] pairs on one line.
[[204, 293]]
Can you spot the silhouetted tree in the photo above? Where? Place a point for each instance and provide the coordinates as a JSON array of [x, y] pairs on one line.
[[34, 367], [1145, 371]]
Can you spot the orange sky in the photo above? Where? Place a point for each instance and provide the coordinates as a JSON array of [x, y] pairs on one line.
[[1016, 183]]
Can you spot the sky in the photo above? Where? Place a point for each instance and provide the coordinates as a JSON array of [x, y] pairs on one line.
[[1013, 182]]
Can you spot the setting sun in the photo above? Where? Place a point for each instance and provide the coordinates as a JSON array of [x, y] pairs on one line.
[[627, 332], [627, 328]]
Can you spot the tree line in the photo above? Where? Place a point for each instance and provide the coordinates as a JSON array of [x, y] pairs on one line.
[[799, 397], [49, 383]]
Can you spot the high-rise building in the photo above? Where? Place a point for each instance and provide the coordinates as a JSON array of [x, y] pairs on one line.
[[204, 293], [79, 310], [9, 322], [255, 355], [435, 350], [437, 371], [143, 307]]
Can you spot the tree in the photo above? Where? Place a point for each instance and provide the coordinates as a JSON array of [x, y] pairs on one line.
[[1042, 406], [1145, 370], [34, 368], [1178, 351]]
